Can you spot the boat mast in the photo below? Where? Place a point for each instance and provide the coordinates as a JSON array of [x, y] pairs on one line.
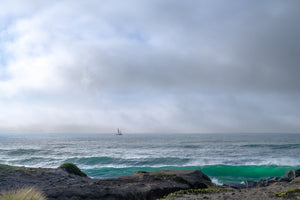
[[119, 132]]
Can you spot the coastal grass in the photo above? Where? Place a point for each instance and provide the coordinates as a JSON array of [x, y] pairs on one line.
[[288, 193], [23, 194], [73, 169], [195, 191]]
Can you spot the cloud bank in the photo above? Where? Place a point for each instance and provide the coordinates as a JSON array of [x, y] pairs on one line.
[[150, 66]]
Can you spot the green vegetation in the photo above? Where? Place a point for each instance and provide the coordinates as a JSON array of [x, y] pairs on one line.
[[195, 191], [23, 194], [5, 169], [288, 193], [73, 169]]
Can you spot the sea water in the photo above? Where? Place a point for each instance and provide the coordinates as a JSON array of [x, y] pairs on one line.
[[223, 157]]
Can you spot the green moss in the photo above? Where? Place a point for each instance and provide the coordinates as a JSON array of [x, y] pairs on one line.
[[6, 169], [195, 191], [73, 169], [288, 193]]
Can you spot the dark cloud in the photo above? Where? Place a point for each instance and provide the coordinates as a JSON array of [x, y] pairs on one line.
[[198, 45], [194, 66]]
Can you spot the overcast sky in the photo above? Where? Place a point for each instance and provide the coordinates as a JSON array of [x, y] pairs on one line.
[[194, 66]]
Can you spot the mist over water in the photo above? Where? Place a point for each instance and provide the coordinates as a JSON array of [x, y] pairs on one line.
[[226, 157]]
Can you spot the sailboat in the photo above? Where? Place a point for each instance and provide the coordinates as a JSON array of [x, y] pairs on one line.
[[119, 132]]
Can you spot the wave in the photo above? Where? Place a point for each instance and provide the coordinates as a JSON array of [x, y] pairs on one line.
[[92, 161], [246, 172], [117, 162], [222, 173], [21, 152], [273, 146], [33, 162]]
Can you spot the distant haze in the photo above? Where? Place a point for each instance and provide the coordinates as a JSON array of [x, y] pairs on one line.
[[196, 66]]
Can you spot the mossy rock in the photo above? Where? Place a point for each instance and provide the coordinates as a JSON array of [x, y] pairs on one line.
[[6, 169], [72, 169], [288, 193], [195, 192]]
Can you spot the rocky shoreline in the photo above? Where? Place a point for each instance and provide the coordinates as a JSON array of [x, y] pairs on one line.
[[289, 176], [273, 188], [62, 185]]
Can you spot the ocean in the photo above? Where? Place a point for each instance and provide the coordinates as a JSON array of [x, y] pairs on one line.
[[223, 157]]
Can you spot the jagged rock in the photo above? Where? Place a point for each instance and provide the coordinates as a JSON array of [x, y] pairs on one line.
[[291, 174], [271, 180], [267, 182], [284, 179], [234, 185], [251, 184], [296, 180]]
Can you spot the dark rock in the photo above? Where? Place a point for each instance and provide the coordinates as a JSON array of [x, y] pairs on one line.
[[251, 184], [195, 178], [291, 174], [141, 172], [271, 180], [234, 185], [141, 185], [284, 179], [296, 180], [263, 183]]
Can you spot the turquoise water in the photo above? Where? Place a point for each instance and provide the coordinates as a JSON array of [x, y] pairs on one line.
[[223, 157], [223, 173]]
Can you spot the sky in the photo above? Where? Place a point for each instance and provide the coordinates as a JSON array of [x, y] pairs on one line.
[[159, 66]]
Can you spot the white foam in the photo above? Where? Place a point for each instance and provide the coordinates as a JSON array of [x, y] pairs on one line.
[[216, 181]]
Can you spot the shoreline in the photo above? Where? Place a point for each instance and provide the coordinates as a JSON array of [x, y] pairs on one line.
[[57, 183], [218, 173]]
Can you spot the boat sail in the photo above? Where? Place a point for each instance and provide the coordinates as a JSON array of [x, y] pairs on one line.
[[119, 132]]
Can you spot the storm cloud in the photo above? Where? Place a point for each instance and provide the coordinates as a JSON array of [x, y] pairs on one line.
[[150, 66]]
